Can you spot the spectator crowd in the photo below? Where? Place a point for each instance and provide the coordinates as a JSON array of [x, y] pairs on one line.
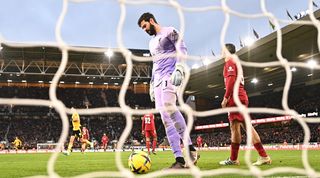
[[41, 124]]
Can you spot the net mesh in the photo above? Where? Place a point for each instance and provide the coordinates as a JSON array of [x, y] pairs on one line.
[[127, 111]]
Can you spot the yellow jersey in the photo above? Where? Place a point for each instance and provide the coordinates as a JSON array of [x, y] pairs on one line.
[[76, 121], [17, 142]]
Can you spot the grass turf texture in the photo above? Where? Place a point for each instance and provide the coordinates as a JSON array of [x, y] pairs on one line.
[[21, 165]]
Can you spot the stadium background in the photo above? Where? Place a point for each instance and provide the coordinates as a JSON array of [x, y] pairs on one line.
[[27, 72], [93, 80]]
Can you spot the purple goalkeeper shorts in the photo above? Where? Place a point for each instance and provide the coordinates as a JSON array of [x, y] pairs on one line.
[[165, 93]]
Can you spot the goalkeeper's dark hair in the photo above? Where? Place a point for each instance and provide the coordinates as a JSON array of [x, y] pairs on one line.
[[146, 17], [231, 48]]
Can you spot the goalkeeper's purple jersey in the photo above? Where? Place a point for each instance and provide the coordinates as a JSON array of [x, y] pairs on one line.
[[161, 46]]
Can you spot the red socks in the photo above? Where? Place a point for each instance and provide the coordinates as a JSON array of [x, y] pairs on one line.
[[154, 145], [234, 151], [148, 146], [260, 149]]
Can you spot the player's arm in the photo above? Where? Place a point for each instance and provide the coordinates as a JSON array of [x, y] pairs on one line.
[[142, 126], [152, 76], [230, 80], [178, 73], [173, 36], [153, 123], [88, 134], [229, 86], [151, 88], [229, 89]]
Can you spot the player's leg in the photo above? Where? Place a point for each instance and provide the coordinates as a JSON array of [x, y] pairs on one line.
[[179, 121], [235, 139], [174, 141], [236, 120], [171, 132], [169, 97], [70, 145], [235, 127], [83, 147], [148, 141], [181, 126], [104, 146], [86, 141], [154, 142], [84, 144], [263, 157]]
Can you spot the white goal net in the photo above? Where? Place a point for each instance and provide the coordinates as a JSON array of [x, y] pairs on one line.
[[128, 112]]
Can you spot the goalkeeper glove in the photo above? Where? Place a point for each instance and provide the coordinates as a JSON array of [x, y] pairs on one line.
[[151, 92], [177, 75]]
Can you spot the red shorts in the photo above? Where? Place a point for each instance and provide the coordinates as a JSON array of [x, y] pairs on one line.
[[85, 138], [151, 133], [235, 115], [104, 143]]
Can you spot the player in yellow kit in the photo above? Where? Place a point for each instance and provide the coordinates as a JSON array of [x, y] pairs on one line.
[[17, 143], [76, 131]]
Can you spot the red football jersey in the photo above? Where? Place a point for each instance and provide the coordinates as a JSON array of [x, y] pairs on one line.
[[85, 133], [148, 122], [230, 73], [199, 140], [104, 139]]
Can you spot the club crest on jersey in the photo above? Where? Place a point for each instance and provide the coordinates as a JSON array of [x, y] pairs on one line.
[[230, 69]]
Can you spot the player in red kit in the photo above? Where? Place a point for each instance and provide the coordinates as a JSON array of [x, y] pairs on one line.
[[85, 139], [104, 141], [236, 119], [199, 142], [149, 129]]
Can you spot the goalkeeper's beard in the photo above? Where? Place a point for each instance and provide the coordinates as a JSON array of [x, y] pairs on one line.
[[152, 30]]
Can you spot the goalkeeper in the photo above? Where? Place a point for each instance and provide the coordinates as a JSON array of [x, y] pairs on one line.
[[167, 73]]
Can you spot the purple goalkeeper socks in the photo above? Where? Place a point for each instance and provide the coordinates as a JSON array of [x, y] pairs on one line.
[[174, 141]]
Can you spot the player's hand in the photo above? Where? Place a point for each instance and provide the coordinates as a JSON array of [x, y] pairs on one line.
[[142, 132], [224, 102], [151, 92], [177, 75]]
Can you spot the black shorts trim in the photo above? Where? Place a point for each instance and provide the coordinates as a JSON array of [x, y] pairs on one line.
[[77, 133]]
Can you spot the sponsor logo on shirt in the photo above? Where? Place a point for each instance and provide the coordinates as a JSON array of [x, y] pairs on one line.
[[230, 69]]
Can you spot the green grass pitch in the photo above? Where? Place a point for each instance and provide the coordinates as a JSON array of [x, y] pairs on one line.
[[21, 165]]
